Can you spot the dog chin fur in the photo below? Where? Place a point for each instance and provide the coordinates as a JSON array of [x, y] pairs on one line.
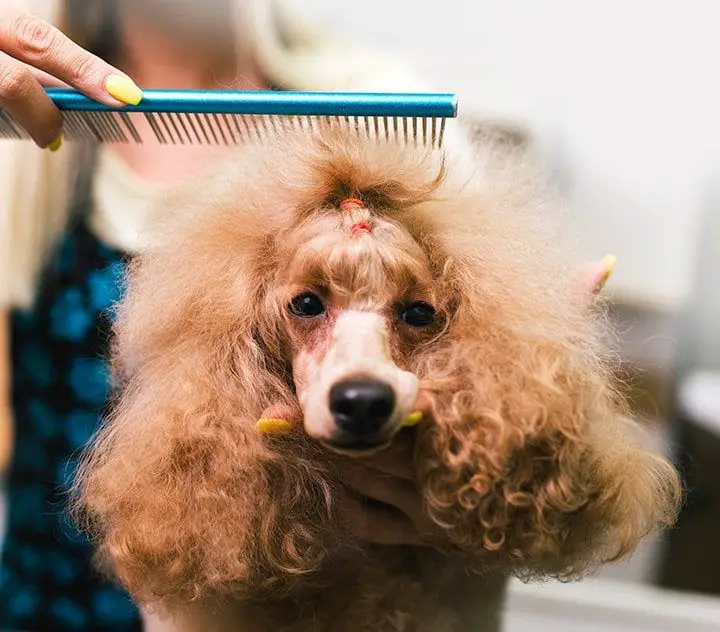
[[528, 461]]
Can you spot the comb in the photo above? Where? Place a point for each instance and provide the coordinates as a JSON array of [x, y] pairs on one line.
[[189, 117]]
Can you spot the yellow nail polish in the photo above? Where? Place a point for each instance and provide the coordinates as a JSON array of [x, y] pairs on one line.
[[56, 143], [609, 262], [123, 89], [273, 426], [413, 419]]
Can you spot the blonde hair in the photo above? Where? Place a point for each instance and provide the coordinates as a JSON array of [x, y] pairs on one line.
[[36, 186]]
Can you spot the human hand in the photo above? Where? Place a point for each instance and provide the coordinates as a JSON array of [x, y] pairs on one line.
[[34, 54], [381, 503], [594, 276]]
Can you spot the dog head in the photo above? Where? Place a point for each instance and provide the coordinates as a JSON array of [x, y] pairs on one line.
[[358, 299], [344, 279]]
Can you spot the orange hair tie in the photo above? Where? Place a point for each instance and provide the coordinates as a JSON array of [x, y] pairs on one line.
[[350, 204], [360, 227]]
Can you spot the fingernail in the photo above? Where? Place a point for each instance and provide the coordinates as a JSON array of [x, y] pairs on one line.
[[123, 89], [273, 426], [56, 143], [609, 262], [413, 419]]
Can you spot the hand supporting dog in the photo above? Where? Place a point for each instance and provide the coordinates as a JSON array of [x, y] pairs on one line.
[[396, 516]]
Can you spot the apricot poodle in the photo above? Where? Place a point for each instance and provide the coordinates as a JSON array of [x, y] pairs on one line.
[[336, 282]]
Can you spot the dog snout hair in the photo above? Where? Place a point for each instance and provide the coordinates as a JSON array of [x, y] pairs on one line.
[[357, 394]]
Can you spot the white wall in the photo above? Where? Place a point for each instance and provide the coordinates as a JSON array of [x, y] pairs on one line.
[[623, 92]]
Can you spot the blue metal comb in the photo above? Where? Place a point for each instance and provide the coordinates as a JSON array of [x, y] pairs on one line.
[[233, 117]]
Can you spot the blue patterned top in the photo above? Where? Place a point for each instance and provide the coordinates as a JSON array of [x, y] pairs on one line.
[[60, 387]]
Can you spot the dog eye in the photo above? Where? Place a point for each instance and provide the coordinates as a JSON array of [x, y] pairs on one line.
[[307, 305], [419, 315]]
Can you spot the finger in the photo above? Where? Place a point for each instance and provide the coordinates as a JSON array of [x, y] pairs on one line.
[[397, 460], [41, 45], [290, 412], [45, 79], [608, 263], [423, 403], [377, 525], [382, 487], [26, 102], [593, 277], [422, 408], [279, 420], [396, 493]]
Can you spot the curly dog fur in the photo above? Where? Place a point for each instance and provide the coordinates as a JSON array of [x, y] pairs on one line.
[[527, 462]]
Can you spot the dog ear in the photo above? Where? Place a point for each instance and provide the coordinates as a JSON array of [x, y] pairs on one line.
[[531, 463], [184, 496]]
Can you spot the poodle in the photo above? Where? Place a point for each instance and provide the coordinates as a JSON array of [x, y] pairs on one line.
[[335, 282]]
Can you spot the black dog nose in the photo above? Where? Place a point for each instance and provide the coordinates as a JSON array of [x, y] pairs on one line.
[[361, 407]]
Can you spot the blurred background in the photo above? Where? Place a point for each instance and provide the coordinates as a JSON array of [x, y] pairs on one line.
[[619, 99]]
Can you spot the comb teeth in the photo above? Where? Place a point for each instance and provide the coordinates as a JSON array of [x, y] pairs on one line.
[[10, 129], [176, 128], [234, 117]]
